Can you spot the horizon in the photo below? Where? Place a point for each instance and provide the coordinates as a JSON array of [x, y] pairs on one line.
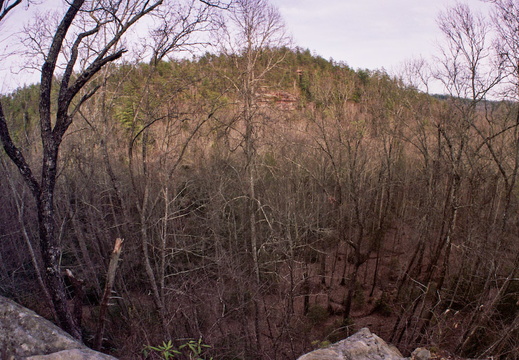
[[372, 36]]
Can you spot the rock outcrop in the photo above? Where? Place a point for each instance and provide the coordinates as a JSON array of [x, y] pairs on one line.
[[26, 335], [362, 345]]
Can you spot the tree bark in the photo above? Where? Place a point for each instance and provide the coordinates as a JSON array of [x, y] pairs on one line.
[[110, 278]]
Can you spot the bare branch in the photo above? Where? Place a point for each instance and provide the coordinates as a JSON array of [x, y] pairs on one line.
[[49, 68], [6, 6], [177, 26]]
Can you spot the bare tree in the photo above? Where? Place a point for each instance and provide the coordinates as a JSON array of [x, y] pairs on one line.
[[506, 22], [468, 80], [179, 23], [82, 56], [253, 28]]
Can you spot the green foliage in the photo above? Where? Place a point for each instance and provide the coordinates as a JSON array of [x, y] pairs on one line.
[[192, 350], [321, 344], [125, 114], [21, 108], [304, 86], [166, 350], [317, 314], [433, 349], [382, 306], [364, 76], [359, 298]]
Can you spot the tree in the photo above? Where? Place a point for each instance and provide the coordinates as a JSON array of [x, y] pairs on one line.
[[506, 22], [254, 28], [251, 36], [78, 48], [475, 145], [156, 105], [465, 76]]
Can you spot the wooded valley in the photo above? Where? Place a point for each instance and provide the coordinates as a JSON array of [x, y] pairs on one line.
[[269, 200]]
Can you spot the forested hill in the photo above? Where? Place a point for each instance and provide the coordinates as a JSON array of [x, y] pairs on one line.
[[297, 72]]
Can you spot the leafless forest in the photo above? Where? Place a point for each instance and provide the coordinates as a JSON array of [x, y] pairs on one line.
[[269, 200]]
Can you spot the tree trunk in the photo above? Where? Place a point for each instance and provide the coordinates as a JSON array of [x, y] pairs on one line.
[[51, 254]]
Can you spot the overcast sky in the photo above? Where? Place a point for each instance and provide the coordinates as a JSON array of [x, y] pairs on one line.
[[370, 34], [367, 34]]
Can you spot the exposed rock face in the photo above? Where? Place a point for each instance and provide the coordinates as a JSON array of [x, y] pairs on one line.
[[26, 335], [363, 345]]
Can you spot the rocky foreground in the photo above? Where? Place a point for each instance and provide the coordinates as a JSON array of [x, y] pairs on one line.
[[26, 335], [363, 345]]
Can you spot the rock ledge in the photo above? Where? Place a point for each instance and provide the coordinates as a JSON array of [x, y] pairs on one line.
[[26, 335], [362, 345]]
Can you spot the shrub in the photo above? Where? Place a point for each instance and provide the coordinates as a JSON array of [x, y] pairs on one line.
[[192, 350], [317, 314], [382, 306]]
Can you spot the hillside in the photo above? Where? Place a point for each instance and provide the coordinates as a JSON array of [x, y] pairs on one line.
[[262, 219]]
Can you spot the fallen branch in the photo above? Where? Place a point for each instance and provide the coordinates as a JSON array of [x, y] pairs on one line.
[[110, 277]]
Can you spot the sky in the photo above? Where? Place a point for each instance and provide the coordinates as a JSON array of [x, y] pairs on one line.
[[365, 34]]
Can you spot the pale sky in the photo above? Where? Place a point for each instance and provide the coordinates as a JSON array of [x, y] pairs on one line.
[[367, 34]]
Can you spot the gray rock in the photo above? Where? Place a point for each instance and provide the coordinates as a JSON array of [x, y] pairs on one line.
[[26, 335], [76, 354], [362, 345], [321, 354], [421, 354]]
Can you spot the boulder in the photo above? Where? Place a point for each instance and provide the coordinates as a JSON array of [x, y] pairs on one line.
[[75, 354], [26, 335], [421, 354], [362, 345]]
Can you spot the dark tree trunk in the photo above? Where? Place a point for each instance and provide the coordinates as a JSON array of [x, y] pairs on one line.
[[71, 83], [51, 254]]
